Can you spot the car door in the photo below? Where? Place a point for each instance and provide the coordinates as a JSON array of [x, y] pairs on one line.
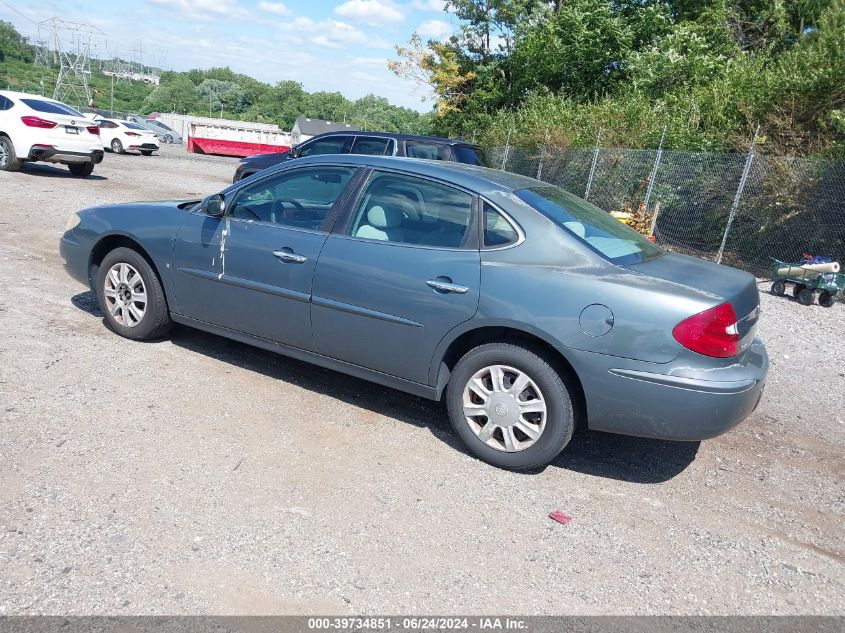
[[403, 271], [251, 269]]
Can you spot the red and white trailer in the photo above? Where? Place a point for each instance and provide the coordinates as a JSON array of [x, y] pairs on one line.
[[224, 137]]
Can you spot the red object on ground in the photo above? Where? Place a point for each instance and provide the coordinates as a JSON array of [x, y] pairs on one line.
[[224, 147], [560, 517]]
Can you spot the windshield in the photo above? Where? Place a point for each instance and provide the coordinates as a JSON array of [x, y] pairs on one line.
[[605, 235]]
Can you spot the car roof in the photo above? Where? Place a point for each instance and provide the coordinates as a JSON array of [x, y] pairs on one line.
[[27, 95], [397, 136], [473, 177]]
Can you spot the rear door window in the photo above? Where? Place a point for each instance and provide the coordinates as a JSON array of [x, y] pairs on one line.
[[372, 146], [498, 231], [427, 150], [5, 104]]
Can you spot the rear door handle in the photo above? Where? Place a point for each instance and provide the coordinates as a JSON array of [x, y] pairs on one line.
[[447, 286], [287, 255]]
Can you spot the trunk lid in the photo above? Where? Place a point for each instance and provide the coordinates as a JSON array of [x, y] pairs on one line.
[[721, 283]]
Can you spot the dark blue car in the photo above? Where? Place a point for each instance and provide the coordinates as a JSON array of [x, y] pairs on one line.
[[528, 309]]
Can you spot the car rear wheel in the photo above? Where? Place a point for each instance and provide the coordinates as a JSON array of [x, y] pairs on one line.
[[117, 146], [509, 406], [9, 161], [168, 138], [81, 170], [147, 152], [131, 296]]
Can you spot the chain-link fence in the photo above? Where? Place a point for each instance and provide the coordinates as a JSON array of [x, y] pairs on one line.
[[740, 209]]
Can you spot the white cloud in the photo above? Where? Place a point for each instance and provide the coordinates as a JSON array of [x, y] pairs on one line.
[[375, 12], [429, 5], [204, 9], [331, 33], [277, 8], [435, 29]]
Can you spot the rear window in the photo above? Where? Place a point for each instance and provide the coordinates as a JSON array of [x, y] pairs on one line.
[[597, 229], [159, 124], [468, 154], [429, 151], [51, 107]]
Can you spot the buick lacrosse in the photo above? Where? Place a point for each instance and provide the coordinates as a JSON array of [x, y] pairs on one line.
[[527, 309]]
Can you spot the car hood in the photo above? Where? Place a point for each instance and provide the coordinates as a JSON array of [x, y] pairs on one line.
[[270, 158]]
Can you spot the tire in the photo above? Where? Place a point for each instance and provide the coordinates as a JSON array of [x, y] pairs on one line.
[[9, 161], [154, 320], [806, 296], [544, 384], [117, 146], [778, 288], [826, 299], [796, 289], [168, 139], [147, 152], [81, 170]]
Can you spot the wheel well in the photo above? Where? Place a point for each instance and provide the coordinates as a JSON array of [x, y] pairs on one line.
[[107, 245], [481, 336]]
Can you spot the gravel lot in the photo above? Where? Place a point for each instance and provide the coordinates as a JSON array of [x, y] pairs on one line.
[[198, 475]]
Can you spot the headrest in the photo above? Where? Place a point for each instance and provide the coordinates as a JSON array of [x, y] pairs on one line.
[[382, 218]]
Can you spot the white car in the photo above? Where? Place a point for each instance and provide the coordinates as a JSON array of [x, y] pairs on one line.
[[119, 136], [35, 128]]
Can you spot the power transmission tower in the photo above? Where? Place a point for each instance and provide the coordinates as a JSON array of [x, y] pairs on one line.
[[70, 44]]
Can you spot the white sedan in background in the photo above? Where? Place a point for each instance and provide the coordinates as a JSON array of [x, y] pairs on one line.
[[119, 136], [34, 128]]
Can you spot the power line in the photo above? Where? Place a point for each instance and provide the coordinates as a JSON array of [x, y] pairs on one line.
[[24, 16]]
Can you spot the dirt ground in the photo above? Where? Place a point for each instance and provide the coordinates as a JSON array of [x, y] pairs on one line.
[[198, 475]]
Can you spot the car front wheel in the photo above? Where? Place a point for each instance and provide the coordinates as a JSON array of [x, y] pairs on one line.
[[510, 406], [131, 297]]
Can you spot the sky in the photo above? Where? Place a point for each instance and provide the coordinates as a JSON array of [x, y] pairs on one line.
[[333, 45]]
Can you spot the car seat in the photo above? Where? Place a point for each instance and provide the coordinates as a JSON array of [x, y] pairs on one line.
[[383, 223]]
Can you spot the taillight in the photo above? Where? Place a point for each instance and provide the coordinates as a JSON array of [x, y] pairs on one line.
[[713, 332], [34, 121], [93, 129], [132, 134]]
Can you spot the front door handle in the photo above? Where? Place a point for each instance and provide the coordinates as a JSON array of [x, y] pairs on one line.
[[287, 255], [447, 286]]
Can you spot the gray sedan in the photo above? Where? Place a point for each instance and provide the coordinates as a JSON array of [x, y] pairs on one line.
[[164, 133], [527, 309]]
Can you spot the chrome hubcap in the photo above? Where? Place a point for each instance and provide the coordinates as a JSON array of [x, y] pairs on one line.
[[126, 294], [505, 408], [4, 154]]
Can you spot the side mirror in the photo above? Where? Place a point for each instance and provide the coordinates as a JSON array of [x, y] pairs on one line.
[[214, 205]]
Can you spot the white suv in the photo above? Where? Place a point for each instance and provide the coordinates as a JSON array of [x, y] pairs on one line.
[[35, 128]]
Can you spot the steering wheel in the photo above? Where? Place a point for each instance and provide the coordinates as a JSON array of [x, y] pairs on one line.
[[279, 209]]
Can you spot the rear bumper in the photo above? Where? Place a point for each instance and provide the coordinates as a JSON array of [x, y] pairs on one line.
[[47, 154], [660, 401]]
